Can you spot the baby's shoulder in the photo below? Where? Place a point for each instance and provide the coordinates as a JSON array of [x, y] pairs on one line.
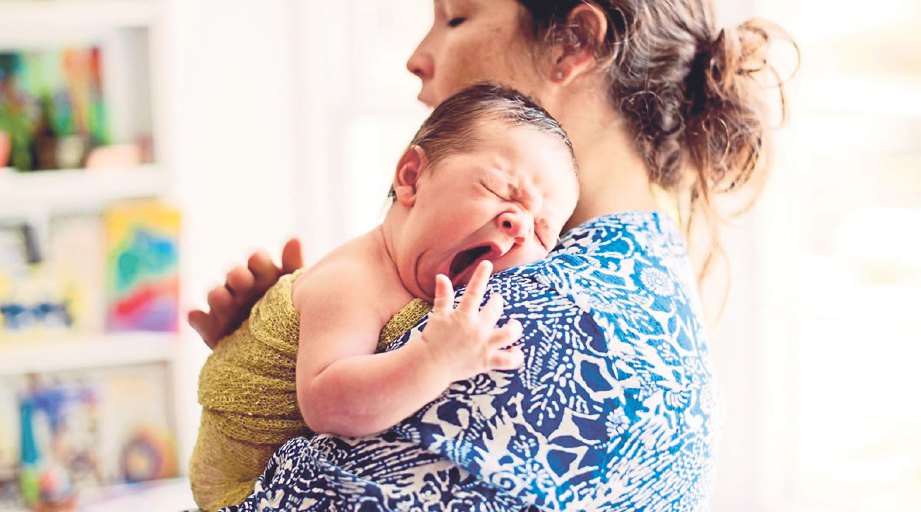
[[334, 273], [341, 276]]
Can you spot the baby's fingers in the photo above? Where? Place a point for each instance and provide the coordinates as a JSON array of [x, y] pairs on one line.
[[444, 295], [506, 335], [511, 358], [476, 288], [492, 311]]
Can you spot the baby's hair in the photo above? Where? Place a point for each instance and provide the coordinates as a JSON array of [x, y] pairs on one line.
[[453, 127]]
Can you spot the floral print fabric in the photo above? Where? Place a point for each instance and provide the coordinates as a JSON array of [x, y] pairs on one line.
[[611, 412]]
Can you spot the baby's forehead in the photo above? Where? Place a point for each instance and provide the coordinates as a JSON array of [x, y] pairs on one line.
[[514, 141], [523, 173]]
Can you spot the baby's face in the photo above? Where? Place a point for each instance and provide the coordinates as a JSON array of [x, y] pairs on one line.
[[506, 201]]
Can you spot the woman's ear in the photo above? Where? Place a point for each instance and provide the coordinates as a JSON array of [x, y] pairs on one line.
[[406, 179], [577, 43]]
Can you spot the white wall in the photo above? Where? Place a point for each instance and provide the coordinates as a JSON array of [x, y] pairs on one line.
[[355, 110], [226, 116], [279, 119]]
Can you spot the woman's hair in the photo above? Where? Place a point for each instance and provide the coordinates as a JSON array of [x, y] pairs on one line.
[[689, 92], [455, 125]]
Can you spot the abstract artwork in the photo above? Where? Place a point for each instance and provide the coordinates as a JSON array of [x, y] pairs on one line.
[[142, 274]]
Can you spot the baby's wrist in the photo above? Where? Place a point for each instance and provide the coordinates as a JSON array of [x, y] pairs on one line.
[[431, 361]]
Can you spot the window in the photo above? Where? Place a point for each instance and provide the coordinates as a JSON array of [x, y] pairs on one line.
[[838, 251]]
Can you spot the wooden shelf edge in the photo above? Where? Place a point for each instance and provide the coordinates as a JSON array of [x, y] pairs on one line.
[[45, 354], [78, 14], [76, 190]]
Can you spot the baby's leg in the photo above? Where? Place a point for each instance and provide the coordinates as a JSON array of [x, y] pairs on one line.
[[249, 402]]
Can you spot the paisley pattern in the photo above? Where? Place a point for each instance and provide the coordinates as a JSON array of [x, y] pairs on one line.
[[610, 413]]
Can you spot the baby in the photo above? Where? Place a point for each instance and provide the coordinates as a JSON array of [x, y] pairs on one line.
[[486, 184]]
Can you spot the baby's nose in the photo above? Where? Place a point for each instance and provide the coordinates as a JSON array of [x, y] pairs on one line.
[[516, 225]]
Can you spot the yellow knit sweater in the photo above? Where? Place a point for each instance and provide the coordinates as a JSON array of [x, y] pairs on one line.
[[249, 399]]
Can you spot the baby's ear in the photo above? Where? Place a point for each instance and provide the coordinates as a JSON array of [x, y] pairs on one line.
[[406, 179]]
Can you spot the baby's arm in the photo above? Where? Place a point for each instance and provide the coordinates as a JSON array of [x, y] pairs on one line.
[[345, 389]]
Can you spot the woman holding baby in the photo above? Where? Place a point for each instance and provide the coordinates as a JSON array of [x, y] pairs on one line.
[[613, 407]]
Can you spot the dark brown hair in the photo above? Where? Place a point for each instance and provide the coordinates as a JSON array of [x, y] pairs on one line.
[[453, 127], [690, 93]]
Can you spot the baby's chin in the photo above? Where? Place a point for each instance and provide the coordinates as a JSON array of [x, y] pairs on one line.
[[423, 289], [506, 264]]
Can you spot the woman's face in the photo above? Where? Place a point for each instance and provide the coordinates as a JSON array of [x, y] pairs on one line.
[[472, 41]]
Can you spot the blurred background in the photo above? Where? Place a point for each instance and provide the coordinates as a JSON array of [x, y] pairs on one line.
[[151, 145]]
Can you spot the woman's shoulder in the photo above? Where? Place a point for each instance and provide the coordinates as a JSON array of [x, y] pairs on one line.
[[603, 252]]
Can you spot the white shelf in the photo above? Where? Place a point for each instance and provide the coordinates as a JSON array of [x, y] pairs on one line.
[[22, 194], [17, 14], [170, 494], [69, 352], [173, 494]]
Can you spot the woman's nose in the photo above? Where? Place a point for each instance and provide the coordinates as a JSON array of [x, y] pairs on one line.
[[516, 225], [421, 64]]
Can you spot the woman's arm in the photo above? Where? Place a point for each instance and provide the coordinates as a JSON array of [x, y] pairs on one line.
[[345, 389], [231, 303]]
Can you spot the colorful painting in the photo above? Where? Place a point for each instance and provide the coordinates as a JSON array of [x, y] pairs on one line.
[[52, 110], [142, 274], [65, 433]]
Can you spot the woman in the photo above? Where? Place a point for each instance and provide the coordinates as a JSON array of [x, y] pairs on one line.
[[612, 411]]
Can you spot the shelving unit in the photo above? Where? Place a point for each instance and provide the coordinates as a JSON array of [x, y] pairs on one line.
[[127, 32], [67, 352], [78, 189], [35, 23], [78, 14]]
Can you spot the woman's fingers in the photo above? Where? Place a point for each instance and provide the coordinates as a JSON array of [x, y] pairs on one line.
[[211, 326], [231, 303], [292, 257], [476, 288], [240, 281], [265, 273], [444, 295], [219, 298], [199, 320]]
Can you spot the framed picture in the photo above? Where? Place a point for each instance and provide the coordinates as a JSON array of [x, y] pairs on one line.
[[18, 246], [142, 267]]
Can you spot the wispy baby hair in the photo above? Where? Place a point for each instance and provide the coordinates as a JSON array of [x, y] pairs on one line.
[[453, 127]]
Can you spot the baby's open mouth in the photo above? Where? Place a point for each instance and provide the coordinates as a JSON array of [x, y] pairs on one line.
[[466, 259]]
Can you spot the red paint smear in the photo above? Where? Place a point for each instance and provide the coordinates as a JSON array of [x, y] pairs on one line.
[[144, 295]]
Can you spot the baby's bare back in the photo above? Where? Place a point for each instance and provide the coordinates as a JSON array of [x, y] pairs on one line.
[[247, 386]]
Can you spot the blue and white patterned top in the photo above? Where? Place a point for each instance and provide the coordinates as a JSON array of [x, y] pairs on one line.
[[611, 412]]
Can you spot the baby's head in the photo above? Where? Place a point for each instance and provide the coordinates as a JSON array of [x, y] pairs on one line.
[[490, 175]]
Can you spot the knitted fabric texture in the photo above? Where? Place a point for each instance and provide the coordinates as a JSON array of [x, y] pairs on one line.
[[249, 398]]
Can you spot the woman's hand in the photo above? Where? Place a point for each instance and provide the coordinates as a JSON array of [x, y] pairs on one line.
[[465, 341], [231, 303]]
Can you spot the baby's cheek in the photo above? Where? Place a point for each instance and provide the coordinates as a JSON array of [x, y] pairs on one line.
[[522, 256]]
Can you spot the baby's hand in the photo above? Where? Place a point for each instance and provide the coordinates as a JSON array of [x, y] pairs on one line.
[[465, 341]]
